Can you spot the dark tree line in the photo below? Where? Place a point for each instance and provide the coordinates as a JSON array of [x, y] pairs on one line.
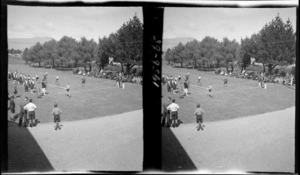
[[273, 45], [14, 51], [125, 46]]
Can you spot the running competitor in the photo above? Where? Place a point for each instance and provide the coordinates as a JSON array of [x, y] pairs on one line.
[[68, 89], [56, 80], [210, 90], [199, 81], [83, 81], [37, 77], [225, 81]]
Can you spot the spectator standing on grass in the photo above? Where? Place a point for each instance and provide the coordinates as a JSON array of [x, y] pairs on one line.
[[173, 107], [165, 114], [12, 107], [31, 108], [15, 87], [56, 112], [265, 83], [199, 117], [23, 112], [210, 90]]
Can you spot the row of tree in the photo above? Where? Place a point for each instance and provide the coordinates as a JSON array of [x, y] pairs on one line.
[[125, 46], [273, 45], [14, 51]]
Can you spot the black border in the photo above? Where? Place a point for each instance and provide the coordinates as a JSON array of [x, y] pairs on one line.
[[153, 18]]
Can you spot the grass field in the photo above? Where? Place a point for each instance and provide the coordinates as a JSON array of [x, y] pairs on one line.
[[99, 98], [240, 98]]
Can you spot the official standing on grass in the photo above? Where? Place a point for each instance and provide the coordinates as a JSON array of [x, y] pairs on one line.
[[56, 112], [199, 117], [23, 112], [173, 107], [12, 107], [31, 108], [44, 87]]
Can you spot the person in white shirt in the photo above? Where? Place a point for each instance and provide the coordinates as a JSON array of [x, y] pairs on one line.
[[173, 107], [31, 108]]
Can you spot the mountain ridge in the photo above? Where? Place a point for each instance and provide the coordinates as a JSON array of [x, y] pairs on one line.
[[22, 43]]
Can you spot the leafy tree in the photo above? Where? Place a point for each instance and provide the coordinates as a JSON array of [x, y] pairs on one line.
[[36, 54], [87, 50], [129, 43], [106, 48], [209, 50], [192, 51], [67, 50], [276, 44], [51, 51], [228, 51], [168, 56], [26, 55], [179, 54], [246, 52]]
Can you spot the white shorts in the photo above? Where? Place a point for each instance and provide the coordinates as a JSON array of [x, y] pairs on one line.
[[185, 90]]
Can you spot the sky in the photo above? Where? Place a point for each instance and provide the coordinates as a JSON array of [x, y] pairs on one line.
[[76, 22], [233, 23]]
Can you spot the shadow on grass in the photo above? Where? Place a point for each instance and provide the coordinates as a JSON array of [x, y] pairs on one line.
[[24, 153], [174, 157]]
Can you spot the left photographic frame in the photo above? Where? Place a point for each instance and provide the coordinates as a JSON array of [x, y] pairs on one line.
[[75, 89]]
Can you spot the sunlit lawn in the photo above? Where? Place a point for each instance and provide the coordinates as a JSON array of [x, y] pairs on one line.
[[99, 98], [240, 98]]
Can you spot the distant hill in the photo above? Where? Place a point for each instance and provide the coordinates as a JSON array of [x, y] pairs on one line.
[[172, 42], [22, 43]]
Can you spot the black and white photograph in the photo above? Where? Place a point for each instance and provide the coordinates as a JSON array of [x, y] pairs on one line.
[[74, 89], [200, 87], [228, 87]]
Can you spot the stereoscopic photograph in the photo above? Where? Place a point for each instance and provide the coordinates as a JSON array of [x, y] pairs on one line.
[[228, 86], [74, 89]]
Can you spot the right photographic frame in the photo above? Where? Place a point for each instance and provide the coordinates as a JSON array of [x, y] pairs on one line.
[[228, 89]]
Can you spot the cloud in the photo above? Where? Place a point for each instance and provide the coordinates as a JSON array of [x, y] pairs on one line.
[[49, 24], [18, 28]]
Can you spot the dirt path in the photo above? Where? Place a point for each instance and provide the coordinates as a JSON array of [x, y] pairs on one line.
[[263, 142], [112, 143]]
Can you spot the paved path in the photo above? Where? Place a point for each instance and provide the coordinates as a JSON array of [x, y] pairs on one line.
[[112, 143], [263, 142]]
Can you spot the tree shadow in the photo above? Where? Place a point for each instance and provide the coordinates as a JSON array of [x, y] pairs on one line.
[[24, 153], [174, 157]]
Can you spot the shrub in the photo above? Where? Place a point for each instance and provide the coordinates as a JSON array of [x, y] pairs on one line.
[[113, 68], [254, 68]]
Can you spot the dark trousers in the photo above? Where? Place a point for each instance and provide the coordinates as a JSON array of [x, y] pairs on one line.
[[23, 117]]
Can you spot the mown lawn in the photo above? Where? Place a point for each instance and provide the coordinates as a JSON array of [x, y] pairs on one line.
[[99, 98], [240, 98]]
